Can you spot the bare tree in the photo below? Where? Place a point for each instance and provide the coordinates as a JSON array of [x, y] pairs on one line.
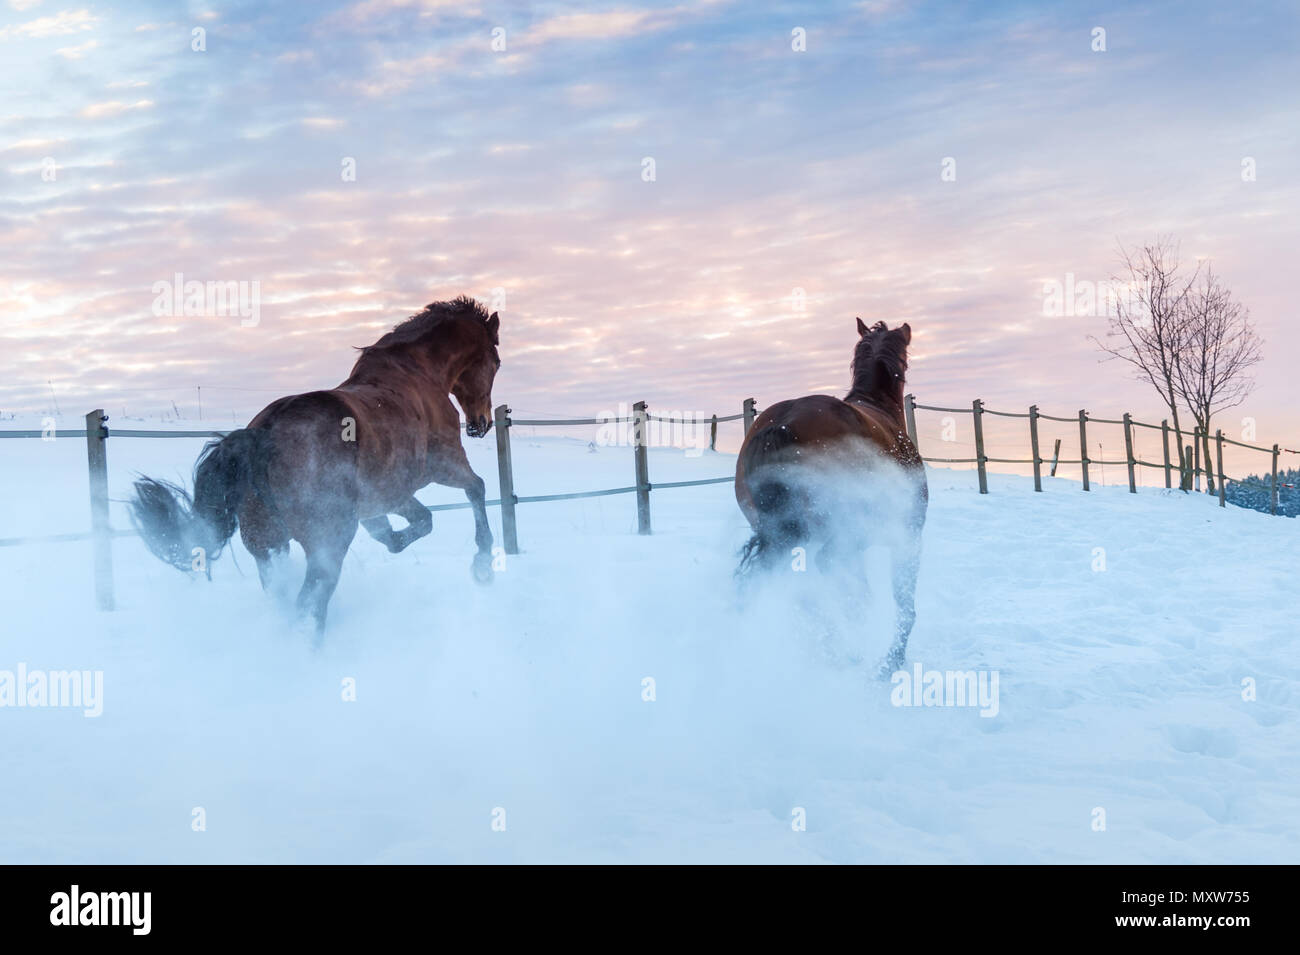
[[1217, 349], [1146, 324]]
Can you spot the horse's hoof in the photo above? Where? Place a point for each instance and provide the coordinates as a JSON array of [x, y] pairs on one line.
[[482, 568]]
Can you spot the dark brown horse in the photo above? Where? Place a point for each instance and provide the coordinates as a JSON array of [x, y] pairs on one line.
[[310, 467], [841, 475]]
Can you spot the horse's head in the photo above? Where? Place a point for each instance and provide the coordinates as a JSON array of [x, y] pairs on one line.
[[473, 386], [903, 333], [453, 343], [880, 361]]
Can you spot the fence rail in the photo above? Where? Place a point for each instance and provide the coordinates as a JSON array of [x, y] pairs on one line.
[[102, 533], [1189, 471]]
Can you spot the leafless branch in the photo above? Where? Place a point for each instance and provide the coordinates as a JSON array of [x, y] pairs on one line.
[[1146, 329]]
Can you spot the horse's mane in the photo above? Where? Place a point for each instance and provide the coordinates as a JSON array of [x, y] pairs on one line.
[[421, 324], [879, 363]]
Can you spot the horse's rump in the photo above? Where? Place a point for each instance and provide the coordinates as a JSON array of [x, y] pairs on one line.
[[814, 468], [312, 440]]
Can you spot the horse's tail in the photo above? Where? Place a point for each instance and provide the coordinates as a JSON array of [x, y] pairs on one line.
[[172, 523], [780, 522]]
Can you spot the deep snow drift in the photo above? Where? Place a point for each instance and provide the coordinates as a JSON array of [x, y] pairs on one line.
[[1119, 688]]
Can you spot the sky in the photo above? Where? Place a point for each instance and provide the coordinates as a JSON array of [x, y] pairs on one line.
[[812, 163]]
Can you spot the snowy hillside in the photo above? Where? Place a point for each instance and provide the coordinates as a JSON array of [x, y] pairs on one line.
[[1121, 628]]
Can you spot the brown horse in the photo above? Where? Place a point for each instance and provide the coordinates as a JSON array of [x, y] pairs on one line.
[[310, 467], [842, 475]]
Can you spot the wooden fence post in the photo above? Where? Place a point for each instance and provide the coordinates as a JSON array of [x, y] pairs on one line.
[[750, 414], [640, 430], [1033, 445], [909, 416], [1187, 467], [1273, 503], [1128, 448], [1056, 456], [506, 480], [1083, 446], [1164, 437], [713, 434], [977, 412], [97, 462], [1196, 460], [1218, 454]]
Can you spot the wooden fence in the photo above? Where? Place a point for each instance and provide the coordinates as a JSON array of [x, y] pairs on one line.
[[102, 533], [640, 421], [1190, 472]]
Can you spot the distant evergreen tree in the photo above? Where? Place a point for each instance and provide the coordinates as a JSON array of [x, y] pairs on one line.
[[1254, 492]]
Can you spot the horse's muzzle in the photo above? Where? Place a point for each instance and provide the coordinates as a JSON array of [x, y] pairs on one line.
[[477, 427]]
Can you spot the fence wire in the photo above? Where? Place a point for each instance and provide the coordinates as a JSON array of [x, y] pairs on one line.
[[1102, 448], [698, 430], [944, 435]]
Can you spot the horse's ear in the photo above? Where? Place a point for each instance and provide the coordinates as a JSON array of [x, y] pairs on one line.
[[906, 329], [493, 324], [862, 328]]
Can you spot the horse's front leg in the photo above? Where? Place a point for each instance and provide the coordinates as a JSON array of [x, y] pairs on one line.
[[419, 523], [382, 531], [482, 565], [453, 470]]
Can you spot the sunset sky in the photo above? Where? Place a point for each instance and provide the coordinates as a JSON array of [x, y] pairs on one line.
[[522, 169]]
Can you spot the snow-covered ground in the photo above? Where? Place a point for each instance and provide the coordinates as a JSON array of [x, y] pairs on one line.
[[1120, 685]]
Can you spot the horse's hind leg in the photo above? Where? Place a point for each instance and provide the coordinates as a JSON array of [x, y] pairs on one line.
[[265, 538], [905, 560], [270, 566], [842, 556], [325, 553]]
